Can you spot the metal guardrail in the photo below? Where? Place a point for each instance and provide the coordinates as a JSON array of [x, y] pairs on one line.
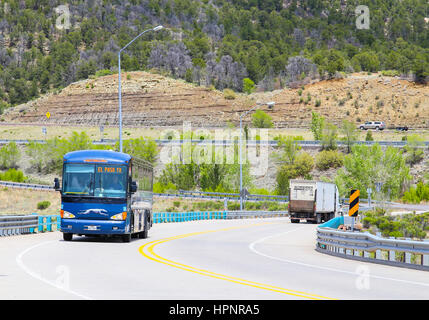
[[25, 224], [364, 246], [162, 217], [256, 214], [182, 194], [231, 142], [233, 196], [26, 185]]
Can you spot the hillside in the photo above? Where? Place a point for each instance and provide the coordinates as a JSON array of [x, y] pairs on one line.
[[47, 45], [154, 100]]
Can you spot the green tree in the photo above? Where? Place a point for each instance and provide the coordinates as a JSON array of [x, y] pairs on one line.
[[367, 61], [37, 156], [144, 148], [301, 167], [317, 125], [288, 149], [261, 120], [414, 149], [9, 156], [335, 62], [350, 133], [366, 165], [248, 85], [329, 137]]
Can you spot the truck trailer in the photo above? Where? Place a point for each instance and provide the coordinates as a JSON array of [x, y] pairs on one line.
[[313, 201]]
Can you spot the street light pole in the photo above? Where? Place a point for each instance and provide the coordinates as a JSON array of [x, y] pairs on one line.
[[270, 106], [119, 79]]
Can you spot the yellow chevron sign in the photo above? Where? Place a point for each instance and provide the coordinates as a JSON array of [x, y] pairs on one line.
[[354, 203]]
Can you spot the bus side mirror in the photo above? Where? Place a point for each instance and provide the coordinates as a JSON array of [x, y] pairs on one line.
[[133, 187], [57, 184]]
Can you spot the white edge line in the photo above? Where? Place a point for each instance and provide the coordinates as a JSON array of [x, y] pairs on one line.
[[252, 248], [38, 276]]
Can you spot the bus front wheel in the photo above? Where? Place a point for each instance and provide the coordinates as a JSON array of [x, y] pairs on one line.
[[67, 236], [126, 237]]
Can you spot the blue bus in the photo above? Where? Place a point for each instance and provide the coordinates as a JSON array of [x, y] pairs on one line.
[[105, 193]]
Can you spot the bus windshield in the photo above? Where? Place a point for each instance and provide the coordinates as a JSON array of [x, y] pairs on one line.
[[95, 180]]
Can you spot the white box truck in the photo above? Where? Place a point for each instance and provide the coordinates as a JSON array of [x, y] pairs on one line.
[[313, 201]]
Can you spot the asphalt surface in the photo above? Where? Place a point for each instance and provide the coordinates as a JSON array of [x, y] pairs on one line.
[[248, 259]]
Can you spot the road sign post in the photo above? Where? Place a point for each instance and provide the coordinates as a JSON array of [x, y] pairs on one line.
[[354, 205], [369, 191]]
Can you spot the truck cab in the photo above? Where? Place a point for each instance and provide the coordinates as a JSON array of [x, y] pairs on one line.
[[105, 193]]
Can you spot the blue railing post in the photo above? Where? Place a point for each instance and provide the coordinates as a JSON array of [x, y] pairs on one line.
[[48, 223], [58, 222], [40, 223], [32, 230]]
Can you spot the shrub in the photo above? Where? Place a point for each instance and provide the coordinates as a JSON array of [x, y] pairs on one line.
[[176, 204], [13, 175], [390, 73], [408, 225], [414, 149], [43, 205], [229, 94], [329, 159], [158, 187], [233, 206], [103, 72], [301, 167], [303, 163], [368, 136], [418, 194], [261, 120]]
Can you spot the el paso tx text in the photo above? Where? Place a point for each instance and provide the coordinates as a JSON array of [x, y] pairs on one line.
[[216, 309]]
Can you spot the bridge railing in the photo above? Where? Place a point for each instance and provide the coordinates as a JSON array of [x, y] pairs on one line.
[[364, 246], [162, 217], [25, 224]]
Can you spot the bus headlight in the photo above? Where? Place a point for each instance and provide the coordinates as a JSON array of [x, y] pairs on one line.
[[119, 216], [66, 215]]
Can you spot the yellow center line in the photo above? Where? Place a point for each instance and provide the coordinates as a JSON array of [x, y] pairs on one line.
[[147, 250]]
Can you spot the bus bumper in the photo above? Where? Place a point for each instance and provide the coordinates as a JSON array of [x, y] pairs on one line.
[[81, 226]]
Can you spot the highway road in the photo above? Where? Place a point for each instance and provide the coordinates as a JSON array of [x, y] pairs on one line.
[[246, 259]]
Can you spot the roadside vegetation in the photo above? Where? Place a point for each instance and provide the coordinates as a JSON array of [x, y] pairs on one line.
[[417, 194], [185, 205], [47, 157], [355, 166], [401, 226]]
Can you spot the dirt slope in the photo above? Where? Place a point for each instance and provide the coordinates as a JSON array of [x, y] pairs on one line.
[[154, 100]]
